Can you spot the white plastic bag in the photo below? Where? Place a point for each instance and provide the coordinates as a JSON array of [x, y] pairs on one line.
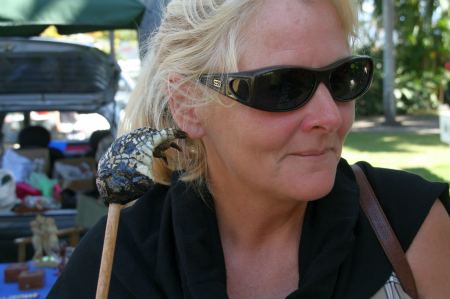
[[20, 166], [7, 191]]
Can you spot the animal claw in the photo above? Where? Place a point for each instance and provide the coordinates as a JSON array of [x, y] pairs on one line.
[[175, 146], [158, 153]]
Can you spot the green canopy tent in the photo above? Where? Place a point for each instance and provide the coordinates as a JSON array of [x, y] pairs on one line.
[[32, 17]]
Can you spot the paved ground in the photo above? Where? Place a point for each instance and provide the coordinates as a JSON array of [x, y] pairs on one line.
[[415, 124]]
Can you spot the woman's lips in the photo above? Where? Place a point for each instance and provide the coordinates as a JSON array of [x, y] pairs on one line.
[[313, 153]]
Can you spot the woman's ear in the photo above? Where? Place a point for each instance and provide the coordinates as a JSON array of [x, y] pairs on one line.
[[182, 108]]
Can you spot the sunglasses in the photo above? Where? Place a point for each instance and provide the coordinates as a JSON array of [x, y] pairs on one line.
[[285, 88]]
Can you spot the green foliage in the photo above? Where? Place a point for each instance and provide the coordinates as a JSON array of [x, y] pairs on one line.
[[416, 92], [422, 48]]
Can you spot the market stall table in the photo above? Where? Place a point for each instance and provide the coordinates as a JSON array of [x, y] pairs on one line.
[[12, 289]]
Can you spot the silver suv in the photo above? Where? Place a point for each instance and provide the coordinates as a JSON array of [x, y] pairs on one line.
[[43, 75]]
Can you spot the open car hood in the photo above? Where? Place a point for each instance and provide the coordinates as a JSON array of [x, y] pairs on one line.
[[42, 75]]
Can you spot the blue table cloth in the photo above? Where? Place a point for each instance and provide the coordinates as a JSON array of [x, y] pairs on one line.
[[10, 289]]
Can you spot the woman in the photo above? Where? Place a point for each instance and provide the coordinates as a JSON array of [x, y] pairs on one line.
[[264, 206]]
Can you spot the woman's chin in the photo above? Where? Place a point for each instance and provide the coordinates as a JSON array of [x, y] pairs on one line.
[[313, 187]]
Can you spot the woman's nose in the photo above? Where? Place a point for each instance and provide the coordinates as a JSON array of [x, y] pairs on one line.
[[322, 111]]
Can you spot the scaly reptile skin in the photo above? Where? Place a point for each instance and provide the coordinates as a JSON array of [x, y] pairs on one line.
[[125, 170]]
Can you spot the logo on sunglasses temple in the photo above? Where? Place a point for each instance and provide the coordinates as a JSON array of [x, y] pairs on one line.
[[217, 83]]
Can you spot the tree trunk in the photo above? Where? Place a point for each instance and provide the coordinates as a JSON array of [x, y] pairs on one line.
[[389, 63]]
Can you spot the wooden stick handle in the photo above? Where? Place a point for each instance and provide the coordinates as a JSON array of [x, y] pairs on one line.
[[109, 245]]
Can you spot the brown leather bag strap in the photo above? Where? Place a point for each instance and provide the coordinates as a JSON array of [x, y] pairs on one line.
[[383, 230]]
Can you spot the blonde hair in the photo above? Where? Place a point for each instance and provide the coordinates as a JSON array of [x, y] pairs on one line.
[[195, 37]]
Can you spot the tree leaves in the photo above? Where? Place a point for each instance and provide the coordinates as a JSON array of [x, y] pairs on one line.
[[422, 29]]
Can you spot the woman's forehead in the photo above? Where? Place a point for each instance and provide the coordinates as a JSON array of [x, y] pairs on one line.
[[293, 32]]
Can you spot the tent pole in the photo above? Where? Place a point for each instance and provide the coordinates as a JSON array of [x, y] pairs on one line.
[[112, 48], [150, 22]]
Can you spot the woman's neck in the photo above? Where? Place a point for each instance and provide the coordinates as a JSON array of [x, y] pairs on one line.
[[247, 220], [260, 240]]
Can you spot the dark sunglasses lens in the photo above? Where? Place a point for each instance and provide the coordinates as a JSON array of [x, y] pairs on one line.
[[283, 89], [240, 88], [351, 79]]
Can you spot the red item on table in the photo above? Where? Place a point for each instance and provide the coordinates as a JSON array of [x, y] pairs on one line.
[[31, 280], [57, 192], [23, 189], [12, 271]]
